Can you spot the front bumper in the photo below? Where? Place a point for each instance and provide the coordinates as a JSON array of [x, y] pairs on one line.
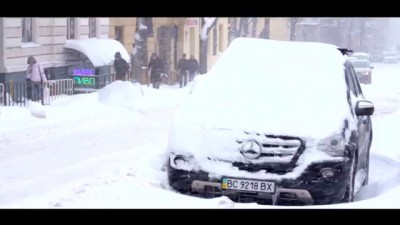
[[308, 189], [365, 79]]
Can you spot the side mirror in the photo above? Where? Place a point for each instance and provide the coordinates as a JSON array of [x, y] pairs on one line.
[[364, 108], [372, 67]]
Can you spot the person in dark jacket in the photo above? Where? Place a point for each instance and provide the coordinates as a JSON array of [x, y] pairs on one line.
[[182, 68], [193, 65], [156, 68], [121, 67]]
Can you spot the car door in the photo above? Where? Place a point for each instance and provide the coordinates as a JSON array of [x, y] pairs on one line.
[[364, 122]]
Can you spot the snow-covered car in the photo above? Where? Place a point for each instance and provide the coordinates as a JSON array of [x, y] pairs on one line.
[[390, 57], [363, 70], [361, 56], [257, 129]]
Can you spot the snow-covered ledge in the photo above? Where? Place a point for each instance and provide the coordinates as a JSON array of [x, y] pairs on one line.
[[29, 45]]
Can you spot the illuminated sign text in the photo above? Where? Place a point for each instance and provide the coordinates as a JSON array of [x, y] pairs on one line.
[[85, 81], [83, 72]]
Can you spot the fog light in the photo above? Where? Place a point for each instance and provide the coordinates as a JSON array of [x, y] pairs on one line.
[[179, 160], [327, 173]]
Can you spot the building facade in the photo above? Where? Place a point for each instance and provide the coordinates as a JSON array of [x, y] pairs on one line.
[[170, 37], [43, 38]]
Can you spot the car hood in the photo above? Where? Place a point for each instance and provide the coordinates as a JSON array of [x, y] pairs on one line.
[[296, 110]]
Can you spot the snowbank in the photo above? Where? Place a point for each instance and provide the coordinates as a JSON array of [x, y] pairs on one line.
[[37, 109], [122, 94]]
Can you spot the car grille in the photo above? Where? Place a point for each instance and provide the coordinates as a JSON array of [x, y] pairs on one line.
[[279, 153], [275, 147]]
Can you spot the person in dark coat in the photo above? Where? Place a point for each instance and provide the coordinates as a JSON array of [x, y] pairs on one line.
[[121, 67], [193, 65], [156, 68], [182, 68]]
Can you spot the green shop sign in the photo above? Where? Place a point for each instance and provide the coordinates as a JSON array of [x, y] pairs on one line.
[[84, 81]]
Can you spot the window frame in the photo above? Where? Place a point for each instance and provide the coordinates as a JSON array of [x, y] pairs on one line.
[[71, 34], [25, 27], [92, 27], [121, 34]]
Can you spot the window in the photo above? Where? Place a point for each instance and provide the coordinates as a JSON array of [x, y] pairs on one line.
[[71, 28], [221, 38], [351, 82], [27, 29], [192, 41], [215, 41], [356, 82], [148, 21], [119, 33], [92, 27]]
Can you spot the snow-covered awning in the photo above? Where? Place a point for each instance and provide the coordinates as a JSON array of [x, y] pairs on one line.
[[99, 51]]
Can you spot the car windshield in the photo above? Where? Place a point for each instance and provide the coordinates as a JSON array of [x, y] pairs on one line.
[[360, 64]]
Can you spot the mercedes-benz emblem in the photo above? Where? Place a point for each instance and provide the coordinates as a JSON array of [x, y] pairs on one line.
[[251, 149]]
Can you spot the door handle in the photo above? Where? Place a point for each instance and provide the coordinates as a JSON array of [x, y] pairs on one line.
[[364, 121]]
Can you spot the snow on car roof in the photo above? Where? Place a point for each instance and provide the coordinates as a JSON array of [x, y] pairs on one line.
[[278, 86]]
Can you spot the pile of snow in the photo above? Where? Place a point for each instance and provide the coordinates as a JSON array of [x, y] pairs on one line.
[[122, 94], [37, 109]]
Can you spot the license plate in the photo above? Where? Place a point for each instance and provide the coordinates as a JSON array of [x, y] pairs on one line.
[[248, 185]]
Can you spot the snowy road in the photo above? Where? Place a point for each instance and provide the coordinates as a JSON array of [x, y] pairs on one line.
[[112, 156]]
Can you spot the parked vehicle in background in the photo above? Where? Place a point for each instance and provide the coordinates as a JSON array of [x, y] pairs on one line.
[[390, 57], [361, 56], [363, 70], [376, 56]]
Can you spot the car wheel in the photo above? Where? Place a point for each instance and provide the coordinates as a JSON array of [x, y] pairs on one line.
[[349, 193]]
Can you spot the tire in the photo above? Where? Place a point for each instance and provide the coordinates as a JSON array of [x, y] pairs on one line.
[[349, 193]]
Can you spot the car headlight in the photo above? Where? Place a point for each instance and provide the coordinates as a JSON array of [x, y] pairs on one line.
[[179, 161], [333, 146]]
